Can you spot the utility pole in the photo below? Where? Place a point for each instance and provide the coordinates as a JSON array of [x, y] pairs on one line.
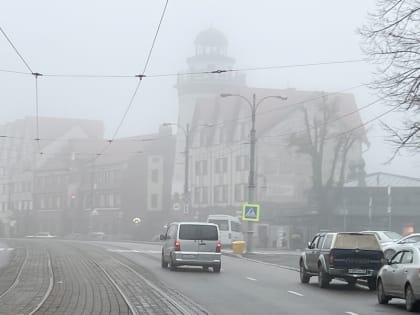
[[254, 105], [186, 171], [251, 179]]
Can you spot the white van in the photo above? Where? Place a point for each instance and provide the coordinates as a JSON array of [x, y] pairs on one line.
[[229, 227], [191, 244]]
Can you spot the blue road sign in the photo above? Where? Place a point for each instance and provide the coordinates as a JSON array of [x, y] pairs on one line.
[[251, 212]]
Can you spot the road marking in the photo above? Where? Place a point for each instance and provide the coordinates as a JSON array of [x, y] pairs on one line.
[[295, 293], [351, 313], [252, 279]]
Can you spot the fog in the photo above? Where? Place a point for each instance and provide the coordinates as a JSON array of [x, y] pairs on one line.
[[110, 37]]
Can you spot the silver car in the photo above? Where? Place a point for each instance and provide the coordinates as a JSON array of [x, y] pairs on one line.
[[400, 277], [391, 248], [191, 244]]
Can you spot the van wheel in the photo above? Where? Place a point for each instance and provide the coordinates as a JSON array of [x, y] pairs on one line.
[[304, 277], [172, 265], [216, 268], [164, 264]]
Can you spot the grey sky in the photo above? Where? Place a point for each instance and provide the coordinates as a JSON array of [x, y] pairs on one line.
[[113, 37]]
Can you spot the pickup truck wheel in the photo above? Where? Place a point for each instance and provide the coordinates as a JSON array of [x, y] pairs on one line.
[[351, 282], [372, 284], [323, 278], [382, 298], [410, 299], [304, 277]]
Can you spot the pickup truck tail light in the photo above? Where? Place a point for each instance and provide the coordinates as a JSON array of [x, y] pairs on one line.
[[177, 246], [331, 260]]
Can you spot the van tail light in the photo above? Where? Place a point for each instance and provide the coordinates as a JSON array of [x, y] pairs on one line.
[[218, 247], [177, 246]]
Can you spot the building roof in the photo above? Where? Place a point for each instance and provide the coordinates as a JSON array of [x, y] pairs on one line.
[[211, 37], [228, 112], [381, 179]]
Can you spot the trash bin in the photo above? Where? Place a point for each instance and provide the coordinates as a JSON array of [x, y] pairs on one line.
[[238, 247]]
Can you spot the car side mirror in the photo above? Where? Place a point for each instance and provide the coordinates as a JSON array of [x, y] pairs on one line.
[[309, 245], [162, 237]]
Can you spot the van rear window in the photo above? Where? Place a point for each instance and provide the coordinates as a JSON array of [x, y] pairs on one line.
[[360, 241], [198, 232], [223, 224]]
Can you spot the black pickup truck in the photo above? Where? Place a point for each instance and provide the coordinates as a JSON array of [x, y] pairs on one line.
[[347, 256]]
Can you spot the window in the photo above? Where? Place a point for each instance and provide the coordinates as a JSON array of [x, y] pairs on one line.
[[153, 201], [221, 165], [407, 258], [241, 192], [319, 243], [242, 163], [171, 233], [155, 176], [361, 241], [111, 201], [220, 193], [396, 259], [222, 224], [201, 195], [236, 227], [328, 241], [314, 242], [198, 232], [201, 167]]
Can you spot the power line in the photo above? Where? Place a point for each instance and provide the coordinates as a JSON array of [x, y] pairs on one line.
[[15, 72], [327, 122], [140, 76], [219, 71], [15, 49]]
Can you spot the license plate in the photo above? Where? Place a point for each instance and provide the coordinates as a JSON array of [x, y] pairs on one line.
[[358, 271], [189, 256]]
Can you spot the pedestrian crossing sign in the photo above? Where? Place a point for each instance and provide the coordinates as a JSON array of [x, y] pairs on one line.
[[251, 212]]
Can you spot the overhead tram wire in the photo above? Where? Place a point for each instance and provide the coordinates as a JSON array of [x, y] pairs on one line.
[[16, 50], [330, 121], [215, 72], [140, 76], [35, 75]]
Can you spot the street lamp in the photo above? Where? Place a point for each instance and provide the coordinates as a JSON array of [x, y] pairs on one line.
[[254, 106], [187, 134]]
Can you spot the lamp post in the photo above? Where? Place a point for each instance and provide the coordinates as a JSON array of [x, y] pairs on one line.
[[254, 106], [187, 134]]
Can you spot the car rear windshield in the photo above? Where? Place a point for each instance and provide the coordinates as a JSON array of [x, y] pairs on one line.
[[360, 241], [198, 232], [223, 224]]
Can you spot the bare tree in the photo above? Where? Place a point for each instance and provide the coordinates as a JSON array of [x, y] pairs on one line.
[[327, 143], [391, 39]]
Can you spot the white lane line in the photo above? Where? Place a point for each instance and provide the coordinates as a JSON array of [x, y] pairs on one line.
[[252, 279], [295, 293], [351, 313]]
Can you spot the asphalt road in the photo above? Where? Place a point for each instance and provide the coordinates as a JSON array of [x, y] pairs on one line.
[[116, 278], [248, 287]]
